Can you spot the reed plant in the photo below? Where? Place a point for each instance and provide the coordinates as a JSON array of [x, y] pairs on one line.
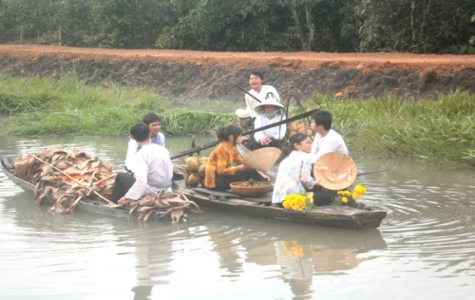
[[437, 130], [45, 106]]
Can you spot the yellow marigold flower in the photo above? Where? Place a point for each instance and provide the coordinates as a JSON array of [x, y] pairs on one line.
[[287, 204], [344, 200], [355, 195]]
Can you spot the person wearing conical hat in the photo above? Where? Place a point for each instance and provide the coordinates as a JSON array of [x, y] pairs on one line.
[[294, 173], [269, 112], [326, 140], [260, 91]]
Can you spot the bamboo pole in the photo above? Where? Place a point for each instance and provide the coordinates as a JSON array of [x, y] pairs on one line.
[[81, 183], [212, 144]]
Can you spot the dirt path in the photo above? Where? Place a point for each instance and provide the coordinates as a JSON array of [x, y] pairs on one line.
[[212, 75]]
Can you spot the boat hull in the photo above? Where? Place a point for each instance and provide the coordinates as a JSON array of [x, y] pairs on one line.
[[329, 216]]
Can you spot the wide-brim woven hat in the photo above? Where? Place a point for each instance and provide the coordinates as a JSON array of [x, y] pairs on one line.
[[243, 113], [262, 159], [335, 170], [268, 101]]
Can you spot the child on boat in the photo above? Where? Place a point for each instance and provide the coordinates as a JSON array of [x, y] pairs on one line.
[[219, 170], [294, 173]]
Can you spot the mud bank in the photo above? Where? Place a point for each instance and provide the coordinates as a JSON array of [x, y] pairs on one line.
[[188, 75]]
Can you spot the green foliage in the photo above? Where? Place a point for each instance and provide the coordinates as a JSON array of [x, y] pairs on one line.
[[425, 26], [439, 130], [195, 122], [43, 106]]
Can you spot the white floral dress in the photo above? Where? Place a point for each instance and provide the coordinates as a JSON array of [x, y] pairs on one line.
[[293, 176]]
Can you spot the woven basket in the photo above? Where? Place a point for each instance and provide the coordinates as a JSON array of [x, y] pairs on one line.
[[260, 188]]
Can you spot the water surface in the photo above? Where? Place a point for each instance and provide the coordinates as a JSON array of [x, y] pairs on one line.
[[424, 248]]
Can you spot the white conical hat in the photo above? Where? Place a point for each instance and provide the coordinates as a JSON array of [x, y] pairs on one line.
[[335, 170], [268, 101], [262, 159]]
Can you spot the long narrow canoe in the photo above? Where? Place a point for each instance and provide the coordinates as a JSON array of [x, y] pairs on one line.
[[329, 216]]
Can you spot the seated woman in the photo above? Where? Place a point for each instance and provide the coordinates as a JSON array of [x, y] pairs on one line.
[[294, 173], [219, 170], [269, 111]]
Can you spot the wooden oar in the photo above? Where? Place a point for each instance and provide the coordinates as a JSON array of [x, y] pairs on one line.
[[255, 98], [372, 172], [212, 144]]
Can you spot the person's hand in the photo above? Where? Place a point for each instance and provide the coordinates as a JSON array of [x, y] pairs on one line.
[[265, 141], [243, 167], [121, 200]]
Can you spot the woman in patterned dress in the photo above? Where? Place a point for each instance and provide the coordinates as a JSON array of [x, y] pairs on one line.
[[294, 173], [220, 171]]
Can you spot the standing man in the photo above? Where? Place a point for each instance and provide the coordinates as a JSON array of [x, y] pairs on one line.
[[152, 169], [326, 140], [156, 137], [260, 91]]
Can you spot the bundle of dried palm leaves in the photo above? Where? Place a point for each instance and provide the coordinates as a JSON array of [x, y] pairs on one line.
[[160, 204], [67, 176]]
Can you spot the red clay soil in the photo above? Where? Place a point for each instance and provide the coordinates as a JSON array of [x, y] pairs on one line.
[[198, 74]]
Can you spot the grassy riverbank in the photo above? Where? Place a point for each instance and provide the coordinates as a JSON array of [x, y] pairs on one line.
[[441, 130]]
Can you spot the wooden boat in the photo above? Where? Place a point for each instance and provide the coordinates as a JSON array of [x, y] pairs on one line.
[[330, 216], [89, 206]]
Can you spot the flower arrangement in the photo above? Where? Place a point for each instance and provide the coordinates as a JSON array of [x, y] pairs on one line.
[[298, 202], [348, 197]]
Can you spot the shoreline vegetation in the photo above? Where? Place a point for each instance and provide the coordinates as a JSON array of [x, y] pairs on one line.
[[437, 130]]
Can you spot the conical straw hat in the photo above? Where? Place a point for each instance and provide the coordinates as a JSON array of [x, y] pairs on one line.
[[336, 171], [262, 159]]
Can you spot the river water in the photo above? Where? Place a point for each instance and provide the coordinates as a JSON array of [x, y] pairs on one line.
[[425, 248]]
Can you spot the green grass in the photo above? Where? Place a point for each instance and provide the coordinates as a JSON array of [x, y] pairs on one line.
[[441, 131], [437, 130]]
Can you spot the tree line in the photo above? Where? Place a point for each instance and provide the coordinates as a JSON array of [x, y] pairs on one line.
[[415, 26]]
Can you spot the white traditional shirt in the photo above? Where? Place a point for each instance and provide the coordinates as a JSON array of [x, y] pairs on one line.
[[332, 142], [293, 176], [278, 131], [153, 171], [251, 103], [133, 147]]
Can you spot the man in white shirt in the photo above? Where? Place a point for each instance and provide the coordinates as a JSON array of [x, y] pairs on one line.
[[326, 140], [155, 125], [152, 169], [260, 91]]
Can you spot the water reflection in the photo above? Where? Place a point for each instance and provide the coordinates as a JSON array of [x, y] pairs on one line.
[[301, 253], [428, 235]]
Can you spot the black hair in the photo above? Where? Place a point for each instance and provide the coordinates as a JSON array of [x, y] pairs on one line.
[[140, 132], [226, 131], [323, 117], [150, 118], [290, 145], [258, 74]]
